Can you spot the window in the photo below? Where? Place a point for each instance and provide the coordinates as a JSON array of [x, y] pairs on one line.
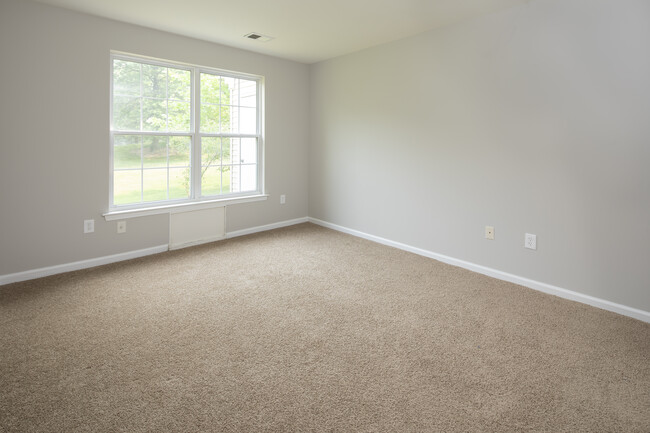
[[182, 134]]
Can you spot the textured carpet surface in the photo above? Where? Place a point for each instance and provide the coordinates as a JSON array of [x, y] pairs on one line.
[[307, 329]]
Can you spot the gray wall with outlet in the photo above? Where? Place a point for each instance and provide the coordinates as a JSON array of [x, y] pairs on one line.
[[532, 120], [54, 119]]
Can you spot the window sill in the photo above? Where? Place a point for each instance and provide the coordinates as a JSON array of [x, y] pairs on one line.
[[181, 207]]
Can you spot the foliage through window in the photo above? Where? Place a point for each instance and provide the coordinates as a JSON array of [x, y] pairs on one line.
[[182, 133]]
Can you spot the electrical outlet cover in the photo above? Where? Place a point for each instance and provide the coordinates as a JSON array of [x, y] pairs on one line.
[[530, 241], [89, 226], [489, 232]]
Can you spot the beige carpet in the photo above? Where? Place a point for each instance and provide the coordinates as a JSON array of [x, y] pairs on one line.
[[306, 329]]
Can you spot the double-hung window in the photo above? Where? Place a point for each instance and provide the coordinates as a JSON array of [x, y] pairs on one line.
[[182, 134]]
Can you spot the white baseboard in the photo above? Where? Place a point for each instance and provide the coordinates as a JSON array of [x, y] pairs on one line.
[[532, 284], [266, 227], [98, 261], [242, 232], [536, 285], [194, 243], [82, 264]]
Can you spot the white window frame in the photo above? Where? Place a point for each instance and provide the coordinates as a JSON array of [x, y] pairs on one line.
[[195, 200]]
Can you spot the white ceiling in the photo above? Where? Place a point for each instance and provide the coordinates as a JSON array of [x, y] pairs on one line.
[[306, 31]]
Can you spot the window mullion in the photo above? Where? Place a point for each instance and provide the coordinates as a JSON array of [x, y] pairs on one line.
[[141, 100], [196, 136], [158, 133], [167, 129], [141, 169]]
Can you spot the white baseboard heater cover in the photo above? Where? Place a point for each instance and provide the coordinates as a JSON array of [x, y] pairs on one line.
[[196, 227]]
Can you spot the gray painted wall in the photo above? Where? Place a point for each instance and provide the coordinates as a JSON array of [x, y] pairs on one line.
[[536, 119], [532, 120], [54, 122]]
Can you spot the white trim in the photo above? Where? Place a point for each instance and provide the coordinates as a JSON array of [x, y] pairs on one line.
[[82, 264], [194, 243], [98, 261], [532, 284], [181, 207], [266, 227], [164, 62]]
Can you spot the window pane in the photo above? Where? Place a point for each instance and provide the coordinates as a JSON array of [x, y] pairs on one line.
[[211, 180], [210, 88], [126, 113], [179, 116], [226, 179], [155, 184], [228, 93], [226, 151], [154, 115], [247, 120], [248, 178], [126, 78], [179, 183], [154, 151], [248, 151], [126, 151], [235, 152], [179, 151], [126, 187], [234, 178], [154, 81], [228, 122], [209, 118], [179, 84], [248, 93], [210, 151]]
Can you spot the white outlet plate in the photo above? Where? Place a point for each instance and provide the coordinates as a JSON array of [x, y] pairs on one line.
[[489, 232], [283, 199], [530, 241], [89, 226], [121, 226]]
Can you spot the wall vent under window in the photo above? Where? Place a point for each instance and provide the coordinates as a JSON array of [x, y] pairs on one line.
[[196, 227], [258, 37]]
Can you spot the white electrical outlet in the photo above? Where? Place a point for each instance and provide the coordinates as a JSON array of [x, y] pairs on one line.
[[89, 226], [489, 232], [121, 226], [530, 241], [283, 199]]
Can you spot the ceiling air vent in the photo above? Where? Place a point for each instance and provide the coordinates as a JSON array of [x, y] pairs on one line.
[[258, 37]]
